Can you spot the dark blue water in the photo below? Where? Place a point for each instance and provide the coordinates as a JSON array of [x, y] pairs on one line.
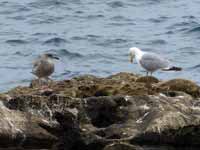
[[93, 36]]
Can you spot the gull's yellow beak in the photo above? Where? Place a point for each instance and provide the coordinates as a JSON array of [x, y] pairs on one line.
[[131, 58]]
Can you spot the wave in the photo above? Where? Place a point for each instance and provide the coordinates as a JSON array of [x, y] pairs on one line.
[[18, 17], [24, 54], [68, 54], [189, 17], [16, 41], [158, 20], [77, 38], [14, 67], [49, 3], [195, 67], [120, 18], [99, 56], [43, 34], [116, 4], [184, 26], [110, 42], [122, 24], [55, 41], [79, 12], [195, 29], [189, 50], [95, 16], [159, 42], [92, 36], [89, 37]]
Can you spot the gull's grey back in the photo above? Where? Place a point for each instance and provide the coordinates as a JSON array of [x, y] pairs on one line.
[[152, 62]]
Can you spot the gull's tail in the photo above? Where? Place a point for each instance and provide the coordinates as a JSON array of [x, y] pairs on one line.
[[173, 68]]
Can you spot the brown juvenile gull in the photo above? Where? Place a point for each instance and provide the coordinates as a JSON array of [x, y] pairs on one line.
[[43, 66], [151, 62]]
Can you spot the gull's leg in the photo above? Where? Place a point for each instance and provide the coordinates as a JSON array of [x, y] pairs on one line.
[[149, 86], [147, 80], [49, 79], [39, 81], [147, 73], [150, 83], [44, 84]]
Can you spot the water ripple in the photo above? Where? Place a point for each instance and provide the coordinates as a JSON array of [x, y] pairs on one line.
[[159, 41], [96, 35], [56, 41], [95, 16], [183, 26], [196, 66], [111, 42], [194, 30], [99, 56], [116, 4], [68, 54], [89, 37], [15, 8], [14, 67], [158, 20], [121, 18], [24, 54], [189, 17], [189, 51], [16, 42], [47, 3]]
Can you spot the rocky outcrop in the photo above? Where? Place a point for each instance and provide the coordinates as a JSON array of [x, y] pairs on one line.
[[119, 84], [20, 129], [123, 111]]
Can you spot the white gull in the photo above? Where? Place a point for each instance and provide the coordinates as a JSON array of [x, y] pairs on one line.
[[151, 62]]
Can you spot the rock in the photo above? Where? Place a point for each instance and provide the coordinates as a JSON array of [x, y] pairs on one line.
[[5, 97], [118, 84], [88, 112], [23, 130], [70, 137], [46, 92], [103, 111], [42, 106], [123, 76], [183, 85], [147, 79], [156, 119], [121, 146]]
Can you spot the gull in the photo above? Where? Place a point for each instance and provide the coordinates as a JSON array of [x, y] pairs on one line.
[[151, 62], [43, 66]]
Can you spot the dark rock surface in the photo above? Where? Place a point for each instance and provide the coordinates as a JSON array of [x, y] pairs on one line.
[[119, 112]]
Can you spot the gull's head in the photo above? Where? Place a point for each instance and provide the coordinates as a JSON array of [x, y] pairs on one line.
[[132, 53], [50, 56]]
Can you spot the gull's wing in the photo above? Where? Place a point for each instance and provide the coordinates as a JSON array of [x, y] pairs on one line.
[[36, 64], [152, 62]]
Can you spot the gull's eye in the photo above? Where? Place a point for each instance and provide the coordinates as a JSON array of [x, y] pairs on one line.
[[49, 55]]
